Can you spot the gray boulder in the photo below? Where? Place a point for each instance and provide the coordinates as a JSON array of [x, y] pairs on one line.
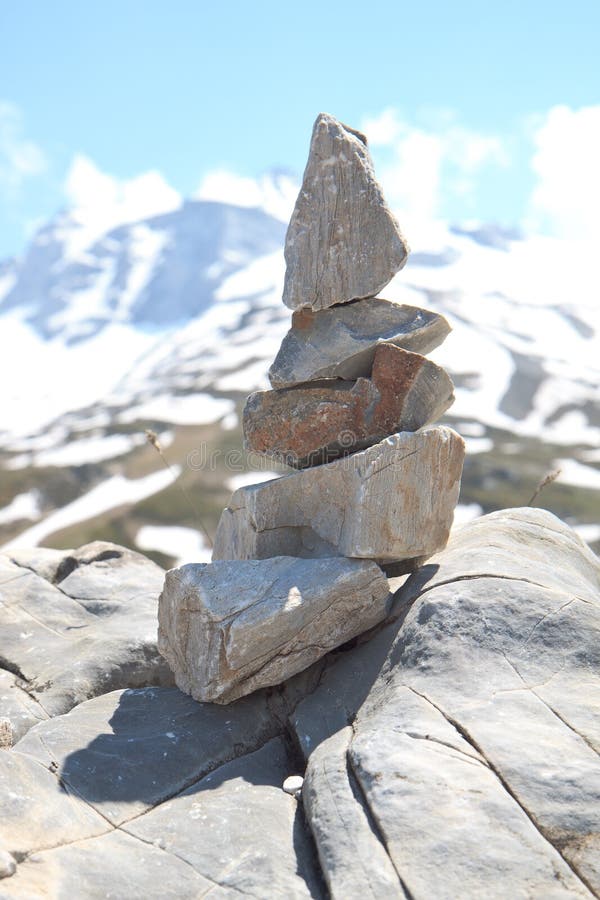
[[474, 744], [342, 242], [229, 628], [341, 342], [75, 624], [451, 752]]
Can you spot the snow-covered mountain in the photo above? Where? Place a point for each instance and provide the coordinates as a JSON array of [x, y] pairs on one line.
[[166, 323]]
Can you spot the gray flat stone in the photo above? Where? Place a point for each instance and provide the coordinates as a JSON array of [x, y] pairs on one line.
[[229, 628], [238, 828], [36, 812], [343, 242], [449, 826], [127, 751], [394, 501], [113, 865], [148, 793], [85, 626], [341, 342]]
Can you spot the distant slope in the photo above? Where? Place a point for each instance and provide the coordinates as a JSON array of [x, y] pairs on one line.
[[169, 322]]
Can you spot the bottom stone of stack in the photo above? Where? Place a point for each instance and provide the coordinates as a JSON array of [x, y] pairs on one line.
[[229, 628], [394, 501]]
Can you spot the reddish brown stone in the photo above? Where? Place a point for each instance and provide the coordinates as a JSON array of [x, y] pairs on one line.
[[308, 425]]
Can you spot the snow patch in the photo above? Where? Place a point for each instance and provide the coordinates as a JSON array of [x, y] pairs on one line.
[[589, 533], [116, 491], [191, 409], [23, 506], [466, 512], [246, 478], [88, 450], [578, 474], [186, 545]]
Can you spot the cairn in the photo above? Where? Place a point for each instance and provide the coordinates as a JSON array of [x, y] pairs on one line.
[[300, 563]]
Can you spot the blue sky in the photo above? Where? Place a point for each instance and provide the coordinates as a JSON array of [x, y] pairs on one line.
[[473, 109]]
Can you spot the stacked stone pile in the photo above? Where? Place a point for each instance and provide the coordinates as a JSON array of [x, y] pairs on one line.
[[298, 562]]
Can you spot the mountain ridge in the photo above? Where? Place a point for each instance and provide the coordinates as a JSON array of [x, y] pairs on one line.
[[168, 322]]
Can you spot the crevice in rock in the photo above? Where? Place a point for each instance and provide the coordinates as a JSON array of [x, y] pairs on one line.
[[389, 465], [157, 846], [467, 757], [65, 572], [14, 669], [457, 578], [526, 687], [13, 577], [533, 689], [303, 839], [552, 612], [26, 687], [360, 797], [558, 846], [567, 724], [65, 568], [196, 779]]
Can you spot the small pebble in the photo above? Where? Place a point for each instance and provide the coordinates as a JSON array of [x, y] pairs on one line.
[[8, 865], [293, 785]]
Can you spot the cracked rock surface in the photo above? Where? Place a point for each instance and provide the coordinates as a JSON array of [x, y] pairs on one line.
[[394, 501], [75, 624], [229, 628], [453, 752], [342, 243]]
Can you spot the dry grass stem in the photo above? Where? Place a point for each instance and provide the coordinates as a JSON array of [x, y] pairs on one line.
[[547, 479], [152, 439]]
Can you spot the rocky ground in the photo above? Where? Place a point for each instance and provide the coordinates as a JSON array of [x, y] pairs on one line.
[[451, 752]]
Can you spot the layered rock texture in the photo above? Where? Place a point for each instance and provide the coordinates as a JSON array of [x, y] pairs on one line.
[[381, 504], [352, 395], [341, 342], [250, 625], [453, 753], [342, 242]]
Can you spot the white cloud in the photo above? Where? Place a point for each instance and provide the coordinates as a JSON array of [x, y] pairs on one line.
[[421, 166], [274, 193], [566, 197], [99, 201], [88, 188], [19, 158]]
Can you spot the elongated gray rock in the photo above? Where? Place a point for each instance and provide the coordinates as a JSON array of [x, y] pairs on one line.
[[343, 242], [353, 860], [227, 629], [312, 424], [394, 501], [341, 342]]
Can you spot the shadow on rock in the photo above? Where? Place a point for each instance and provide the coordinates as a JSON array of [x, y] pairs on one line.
[[154, 742]]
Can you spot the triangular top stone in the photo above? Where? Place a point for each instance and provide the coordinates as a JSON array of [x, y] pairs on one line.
[[343, 243]]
